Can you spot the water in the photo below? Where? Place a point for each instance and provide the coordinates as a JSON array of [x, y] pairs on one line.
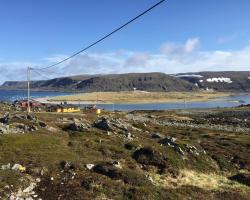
[[12, 95], [230, 101]]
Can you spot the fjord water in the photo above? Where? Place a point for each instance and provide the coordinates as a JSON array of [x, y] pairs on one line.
[[230, 101], [12, 95]]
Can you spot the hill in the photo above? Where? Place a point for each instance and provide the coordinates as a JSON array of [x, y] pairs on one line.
[[226, 81], [108, 83]]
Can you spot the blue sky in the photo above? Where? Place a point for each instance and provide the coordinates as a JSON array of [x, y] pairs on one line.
[[175, 37]]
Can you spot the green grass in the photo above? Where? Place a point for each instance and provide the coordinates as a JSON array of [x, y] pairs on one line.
[[44, 149]]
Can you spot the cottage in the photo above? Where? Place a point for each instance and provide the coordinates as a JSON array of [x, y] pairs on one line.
[[33, 103], [64, 108]]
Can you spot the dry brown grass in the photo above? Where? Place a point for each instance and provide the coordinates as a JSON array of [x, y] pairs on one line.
[[140, 97], [206, 181]]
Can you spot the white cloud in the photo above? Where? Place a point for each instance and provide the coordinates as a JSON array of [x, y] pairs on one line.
[[191, 45], [173, 58], [188, 47]]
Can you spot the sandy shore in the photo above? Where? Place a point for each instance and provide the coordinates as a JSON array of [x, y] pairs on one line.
[[134, 97], [49, 100]]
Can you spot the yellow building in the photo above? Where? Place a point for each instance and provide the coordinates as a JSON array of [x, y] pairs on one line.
[[65, 109]]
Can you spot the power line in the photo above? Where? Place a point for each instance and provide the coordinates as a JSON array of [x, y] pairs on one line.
[[106, 36]]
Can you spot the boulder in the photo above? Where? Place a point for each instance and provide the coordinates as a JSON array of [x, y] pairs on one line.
[[170, 141], [42, 124], [24, 128], [32, 118], [19, 117], [78, 126], [103, 124], [6, 167], [90, 166], [120, 124], [117, 164], [112, 124], [129, 136], [194, 150], [18, 167], [4, 129], [5, 119]]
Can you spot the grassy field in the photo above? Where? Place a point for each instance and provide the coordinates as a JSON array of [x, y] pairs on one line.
[[158, 172], [140, 97]]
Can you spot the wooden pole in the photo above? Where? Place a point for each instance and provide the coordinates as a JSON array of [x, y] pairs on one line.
[[28, 81]]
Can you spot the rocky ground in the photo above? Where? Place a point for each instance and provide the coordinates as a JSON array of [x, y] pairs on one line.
[[186, 154]]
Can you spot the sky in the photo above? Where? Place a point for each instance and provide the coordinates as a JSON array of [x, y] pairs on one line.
[[178, 36]]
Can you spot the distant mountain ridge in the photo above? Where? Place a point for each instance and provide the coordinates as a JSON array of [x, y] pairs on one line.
[[226, 81]]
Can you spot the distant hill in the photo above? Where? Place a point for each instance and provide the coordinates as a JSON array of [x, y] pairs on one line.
[[229, 81], [112, 82]]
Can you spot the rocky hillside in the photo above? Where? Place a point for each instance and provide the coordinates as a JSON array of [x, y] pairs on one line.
[[140, 155], [219, 81], [114, 82]]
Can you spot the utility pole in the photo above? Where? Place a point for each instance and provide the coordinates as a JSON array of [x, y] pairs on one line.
[[28, 84]]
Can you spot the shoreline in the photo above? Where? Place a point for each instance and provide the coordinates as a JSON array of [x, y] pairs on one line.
[[140, 97]]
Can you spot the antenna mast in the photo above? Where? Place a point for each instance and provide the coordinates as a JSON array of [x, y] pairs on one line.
[[28, 84]]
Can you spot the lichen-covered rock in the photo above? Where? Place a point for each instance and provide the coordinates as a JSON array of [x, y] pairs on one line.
[[103, 124], [170, 141], [5, 119], [78, 126]]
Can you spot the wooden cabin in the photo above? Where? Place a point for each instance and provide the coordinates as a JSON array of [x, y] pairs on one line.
[[64, 108], [33, 104]]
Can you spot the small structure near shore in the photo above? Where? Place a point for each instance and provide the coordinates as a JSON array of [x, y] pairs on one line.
[[66, 108], [23, 104]]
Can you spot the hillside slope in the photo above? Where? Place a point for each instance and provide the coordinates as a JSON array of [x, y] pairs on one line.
[[225, 81], [114, 82], [139, 155], [229, 81]]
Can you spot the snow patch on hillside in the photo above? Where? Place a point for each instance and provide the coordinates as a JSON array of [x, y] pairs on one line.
[[219, 79]]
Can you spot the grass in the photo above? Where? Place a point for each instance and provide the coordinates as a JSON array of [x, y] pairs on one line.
[[203, 176], [140, 97], [206, 181], [35, 149]]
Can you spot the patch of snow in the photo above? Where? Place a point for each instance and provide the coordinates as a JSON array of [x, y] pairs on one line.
[[189, 75], [201, 81], [249, 77], [219, 79], [196, 84], [209, 90]]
